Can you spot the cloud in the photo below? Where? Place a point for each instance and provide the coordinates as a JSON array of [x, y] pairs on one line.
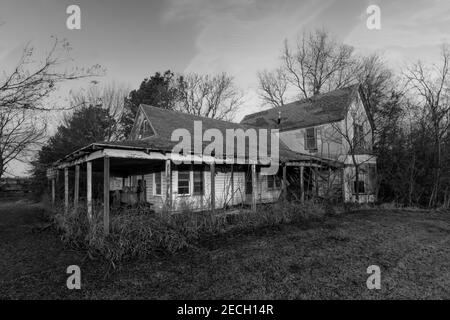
[[243, 37]]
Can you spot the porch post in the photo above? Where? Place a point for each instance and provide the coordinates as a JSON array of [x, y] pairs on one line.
[[316, 181], [232, 185], [144, 190], [302, 186], [168, 172], [53, 192], [213, 186], [89, 190], [66, 190], [76, 191], [329, 179], [106, 195], [254, 186], [284, 183]]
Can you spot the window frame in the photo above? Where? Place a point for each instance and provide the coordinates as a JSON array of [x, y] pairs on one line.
[[275, 180], [202, 177], [361, 182], [155, 184], [188, 172], [309, 139]]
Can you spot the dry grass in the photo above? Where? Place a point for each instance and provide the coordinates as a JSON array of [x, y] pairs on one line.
[[140, 233]]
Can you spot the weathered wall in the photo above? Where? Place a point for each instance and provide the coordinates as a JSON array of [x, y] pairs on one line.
[[223, 189]]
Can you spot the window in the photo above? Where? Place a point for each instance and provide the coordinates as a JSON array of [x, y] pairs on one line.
[[145, 130], [158, 183], [311, 139], [273, 182], [183, 182], [198, 182], [358, 137], [359, 187]]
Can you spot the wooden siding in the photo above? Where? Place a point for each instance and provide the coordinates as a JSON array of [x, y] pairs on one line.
[[223, 189]]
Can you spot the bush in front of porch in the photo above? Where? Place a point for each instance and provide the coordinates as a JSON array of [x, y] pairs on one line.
[[138, 233]]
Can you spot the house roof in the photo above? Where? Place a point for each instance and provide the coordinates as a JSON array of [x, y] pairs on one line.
[[322, 108], [164, 122]]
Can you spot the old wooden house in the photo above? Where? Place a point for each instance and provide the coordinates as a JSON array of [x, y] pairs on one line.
[[324, 143]]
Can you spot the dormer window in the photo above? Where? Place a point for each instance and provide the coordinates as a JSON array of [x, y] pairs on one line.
[[311, 139]]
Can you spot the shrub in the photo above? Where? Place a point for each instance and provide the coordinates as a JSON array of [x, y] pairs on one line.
[[139, 232], [136, 235], [73, 226]]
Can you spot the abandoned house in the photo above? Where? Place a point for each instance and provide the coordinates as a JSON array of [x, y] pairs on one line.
[[324, 150]]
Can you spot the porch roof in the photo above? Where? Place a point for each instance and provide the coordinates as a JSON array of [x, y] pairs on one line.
[[157, 148]]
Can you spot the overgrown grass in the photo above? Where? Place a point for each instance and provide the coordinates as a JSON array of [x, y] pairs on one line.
[[324, 260], [139, 232]]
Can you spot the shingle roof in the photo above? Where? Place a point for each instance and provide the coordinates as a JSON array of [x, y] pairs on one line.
[[166, 121], [319, 109]]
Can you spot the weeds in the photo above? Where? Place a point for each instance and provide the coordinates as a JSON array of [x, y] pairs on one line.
[[140, 232]]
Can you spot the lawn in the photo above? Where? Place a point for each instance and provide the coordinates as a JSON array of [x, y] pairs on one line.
[[320, 261]]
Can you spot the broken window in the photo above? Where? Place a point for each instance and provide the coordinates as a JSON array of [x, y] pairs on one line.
[[311, 139], [183, 182]]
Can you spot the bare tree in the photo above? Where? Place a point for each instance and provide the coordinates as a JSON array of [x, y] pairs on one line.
[[20, 135], [112, 98], [273, 86], [212, 96], [432, 86], [318, 62], [31, 82], [24, 91]]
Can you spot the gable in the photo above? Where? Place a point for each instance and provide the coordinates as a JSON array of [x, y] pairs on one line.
[[142, 127]]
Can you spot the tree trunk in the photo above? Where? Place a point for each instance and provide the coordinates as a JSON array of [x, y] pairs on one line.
[[1, 166], [437, 173]]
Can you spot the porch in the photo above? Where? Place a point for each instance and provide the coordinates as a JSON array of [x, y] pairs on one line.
[[120, 175]]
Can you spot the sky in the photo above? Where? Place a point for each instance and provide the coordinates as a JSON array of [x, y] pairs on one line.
[[133, 39]]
